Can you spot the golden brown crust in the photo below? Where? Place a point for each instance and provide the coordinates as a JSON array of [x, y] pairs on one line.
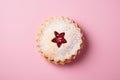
[[46, 57]]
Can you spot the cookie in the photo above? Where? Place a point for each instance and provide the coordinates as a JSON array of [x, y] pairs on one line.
[[59, 40]]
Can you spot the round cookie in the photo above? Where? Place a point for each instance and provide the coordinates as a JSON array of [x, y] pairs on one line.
[[59, 40]]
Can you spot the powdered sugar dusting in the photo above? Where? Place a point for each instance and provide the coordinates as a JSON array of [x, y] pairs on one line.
[[72, 35]]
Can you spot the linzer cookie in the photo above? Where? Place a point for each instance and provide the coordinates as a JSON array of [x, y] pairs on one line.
[[59, 40]]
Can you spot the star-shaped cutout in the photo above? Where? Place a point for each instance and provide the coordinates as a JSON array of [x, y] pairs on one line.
[[59, 38]]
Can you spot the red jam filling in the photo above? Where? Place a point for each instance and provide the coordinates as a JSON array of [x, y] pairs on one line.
[[59, 38]]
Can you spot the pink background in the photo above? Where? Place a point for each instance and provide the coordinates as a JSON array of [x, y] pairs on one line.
[[20, 19]]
